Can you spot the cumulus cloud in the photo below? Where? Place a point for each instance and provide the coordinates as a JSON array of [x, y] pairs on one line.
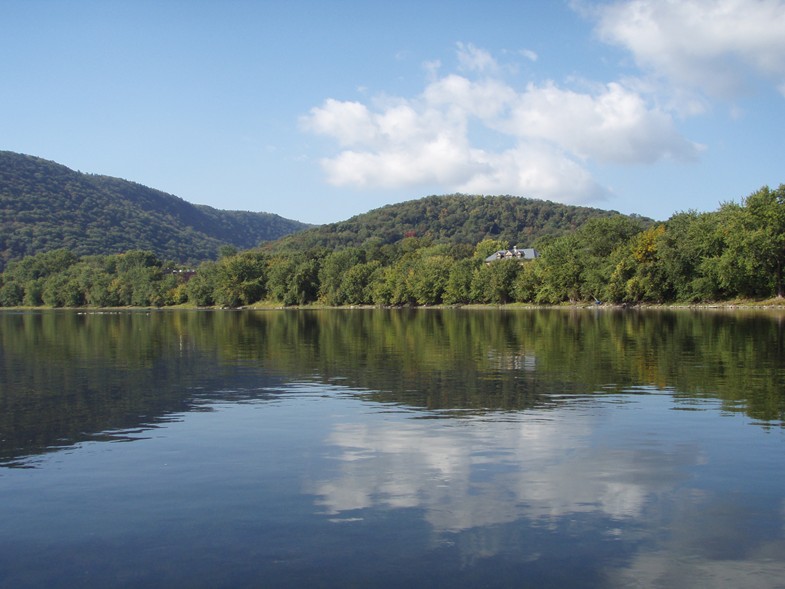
[[613, 125], [478, 133], [347, 122], [533, 169], [714, 46]]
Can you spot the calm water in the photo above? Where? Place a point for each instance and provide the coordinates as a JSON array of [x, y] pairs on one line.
[[583, 448]]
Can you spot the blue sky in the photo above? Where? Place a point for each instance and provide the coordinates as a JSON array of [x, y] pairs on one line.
[[320, 110]]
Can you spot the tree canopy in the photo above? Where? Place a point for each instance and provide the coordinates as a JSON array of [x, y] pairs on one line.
[[735, 252], [45, 206]]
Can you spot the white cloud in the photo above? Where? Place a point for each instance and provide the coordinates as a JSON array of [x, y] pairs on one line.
[[713, 46], [348, 122], [474, 59], [614, 125], [432, 68], [533, 169], [485, 136], [529, 54], [485, 100]]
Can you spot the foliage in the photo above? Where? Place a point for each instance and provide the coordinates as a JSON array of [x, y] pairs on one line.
[[45, 206], [452, 220], [737, 251], [240, 280]]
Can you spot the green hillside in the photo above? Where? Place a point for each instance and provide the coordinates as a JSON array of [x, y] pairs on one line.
[[46, 206], [452, 219]]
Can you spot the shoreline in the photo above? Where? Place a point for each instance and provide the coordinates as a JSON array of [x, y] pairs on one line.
[[775, 304]]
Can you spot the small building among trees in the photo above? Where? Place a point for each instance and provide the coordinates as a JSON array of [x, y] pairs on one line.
[[522, 254]]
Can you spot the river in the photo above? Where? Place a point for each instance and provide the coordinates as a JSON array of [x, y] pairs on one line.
[[391, 448]]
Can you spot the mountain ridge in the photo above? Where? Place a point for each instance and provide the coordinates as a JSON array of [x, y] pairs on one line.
[[45, 205], [449, 219]]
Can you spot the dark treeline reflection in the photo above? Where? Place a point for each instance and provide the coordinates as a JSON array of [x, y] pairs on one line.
[[67, 377]]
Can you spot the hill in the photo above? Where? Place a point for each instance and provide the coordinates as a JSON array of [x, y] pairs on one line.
[[451, 219], [46, 206]]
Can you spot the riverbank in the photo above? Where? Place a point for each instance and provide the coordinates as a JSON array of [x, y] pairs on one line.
[[775, 303]]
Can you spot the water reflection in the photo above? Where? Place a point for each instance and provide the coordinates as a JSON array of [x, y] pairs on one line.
[[583, 483], [67, 376], [392, 448], [479, 473]]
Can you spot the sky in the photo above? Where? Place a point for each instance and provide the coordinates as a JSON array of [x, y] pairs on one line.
[[319, 110]]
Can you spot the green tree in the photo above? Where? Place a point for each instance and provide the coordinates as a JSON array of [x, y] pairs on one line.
[[95, 282], [34, 290], [240, 280], [382, 285], [638, 275], [754, 234], [201, 287], [227, 251], [294, 280], [332, 272], [528, 282], [563, 263], [596, 241], [487, 247], [63, 290], [356, 283], [11, 294], [458, 289], [40, 265], [494, 282], [428, 279], [688, 252]]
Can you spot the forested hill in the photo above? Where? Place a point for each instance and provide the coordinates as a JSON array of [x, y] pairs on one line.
[[451, 219], [46, 206]]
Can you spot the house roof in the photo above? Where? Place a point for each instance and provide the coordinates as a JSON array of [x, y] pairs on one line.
[[527, 253]]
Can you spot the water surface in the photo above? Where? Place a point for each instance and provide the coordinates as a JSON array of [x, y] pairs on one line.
[[389, 448]]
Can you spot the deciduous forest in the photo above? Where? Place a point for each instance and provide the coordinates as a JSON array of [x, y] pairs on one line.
[[46, 206], [736, 252]]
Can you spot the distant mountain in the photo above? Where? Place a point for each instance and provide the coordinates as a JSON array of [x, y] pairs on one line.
[[46, 206], [451, 219]]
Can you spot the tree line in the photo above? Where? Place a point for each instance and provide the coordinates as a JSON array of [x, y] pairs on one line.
[[735, 252]]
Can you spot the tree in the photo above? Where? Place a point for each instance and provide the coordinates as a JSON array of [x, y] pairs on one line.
[[638, 275], [33, 292], [562, 263], [494, 282], [487, 247], [528, 282], [40, 265], [293, 280], [133, 259], [240, 280], [201, 287], [356, 283], [429, 279], [688, 252], [333, 270], [11, 294], [753, 261], [459, 284], [95, 282], [62, 290], [596, 241], [227, 251]]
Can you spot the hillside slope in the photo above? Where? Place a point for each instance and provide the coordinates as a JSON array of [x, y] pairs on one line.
[[451, 219], [46, 206]]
